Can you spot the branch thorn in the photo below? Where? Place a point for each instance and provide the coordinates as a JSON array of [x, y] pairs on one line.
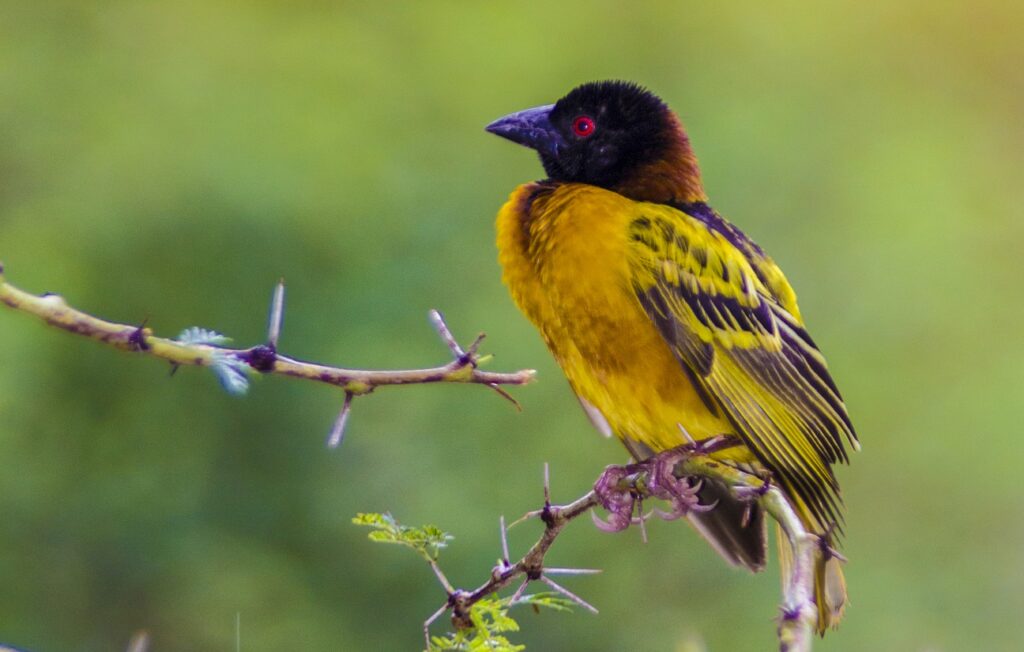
[[547, 487], [338, 431], [475, 345], [505, 395], [642, 518], [138, 337], [572, 571], [526, 517], [439, 324], [504, 541], [519, 592], [569, 594], [430, 621], [276, 315]]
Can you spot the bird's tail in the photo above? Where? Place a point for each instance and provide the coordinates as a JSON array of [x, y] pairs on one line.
[[829, 583], [734, 528]]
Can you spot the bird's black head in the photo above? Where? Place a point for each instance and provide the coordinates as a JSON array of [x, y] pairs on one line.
[[612, 134]]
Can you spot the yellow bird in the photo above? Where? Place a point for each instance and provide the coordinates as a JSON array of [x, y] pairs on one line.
[[669, 322]]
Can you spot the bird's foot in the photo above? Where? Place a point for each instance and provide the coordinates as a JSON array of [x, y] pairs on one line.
[[619, 492], [617, 496], [680, 493]]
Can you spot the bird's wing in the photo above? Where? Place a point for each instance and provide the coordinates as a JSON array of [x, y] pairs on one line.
[[731, 319]]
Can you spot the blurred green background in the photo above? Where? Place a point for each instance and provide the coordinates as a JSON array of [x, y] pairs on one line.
[[171, 161]]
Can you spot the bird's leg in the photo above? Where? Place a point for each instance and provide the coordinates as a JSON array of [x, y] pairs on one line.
[[616, 496], [752, 494]]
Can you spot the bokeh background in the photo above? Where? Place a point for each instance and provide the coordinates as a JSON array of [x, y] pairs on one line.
[[171, 161]]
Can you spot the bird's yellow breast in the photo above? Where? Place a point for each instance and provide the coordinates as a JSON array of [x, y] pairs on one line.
[[565, 251]]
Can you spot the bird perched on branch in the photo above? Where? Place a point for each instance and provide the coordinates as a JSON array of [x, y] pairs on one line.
[[669, 322]]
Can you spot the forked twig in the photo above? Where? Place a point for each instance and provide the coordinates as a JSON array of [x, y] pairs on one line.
[[693, 463]]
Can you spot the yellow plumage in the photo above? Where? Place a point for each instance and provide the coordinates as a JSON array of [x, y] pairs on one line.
[[669, 322], [569, 271], [610, 283]]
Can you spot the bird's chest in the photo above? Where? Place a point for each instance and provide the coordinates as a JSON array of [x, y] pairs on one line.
[[580, 254]]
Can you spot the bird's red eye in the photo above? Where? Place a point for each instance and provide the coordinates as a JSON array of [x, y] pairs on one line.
[[583, 126]]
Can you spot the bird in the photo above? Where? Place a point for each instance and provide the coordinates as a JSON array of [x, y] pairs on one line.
[[669, 322]]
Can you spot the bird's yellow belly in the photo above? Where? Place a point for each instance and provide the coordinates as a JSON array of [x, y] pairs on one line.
[[624, 369]]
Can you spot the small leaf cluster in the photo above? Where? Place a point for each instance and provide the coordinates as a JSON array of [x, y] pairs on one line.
[[488, 616], [491, 620], [427, 541]]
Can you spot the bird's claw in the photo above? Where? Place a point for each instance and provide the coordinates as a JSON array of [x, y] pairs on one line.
[[614, 523], [680, 493], [619, 497], [618, 500]]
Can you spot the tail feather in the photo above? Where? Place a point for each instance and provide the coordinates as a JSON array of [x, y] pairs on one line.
[[735, 529]]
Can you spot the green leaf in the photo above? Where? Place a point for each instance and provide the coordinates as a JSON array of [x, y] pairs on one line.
[[491, 615], [547, 599], [427, 541], [490, 621], [232, 373]]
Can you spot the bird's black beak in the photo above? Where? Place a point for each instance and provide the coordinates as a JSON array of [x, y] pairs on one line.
[[532, 128]]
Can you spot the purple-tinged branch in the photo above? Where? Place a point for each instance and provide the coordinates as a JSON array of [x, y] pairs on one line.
[[263, 358], [687, 465]]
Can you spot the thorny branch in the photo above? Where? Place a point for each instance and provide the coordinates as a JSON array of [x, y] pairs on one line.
[[619, 490], [265, 358], [691, 464]]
